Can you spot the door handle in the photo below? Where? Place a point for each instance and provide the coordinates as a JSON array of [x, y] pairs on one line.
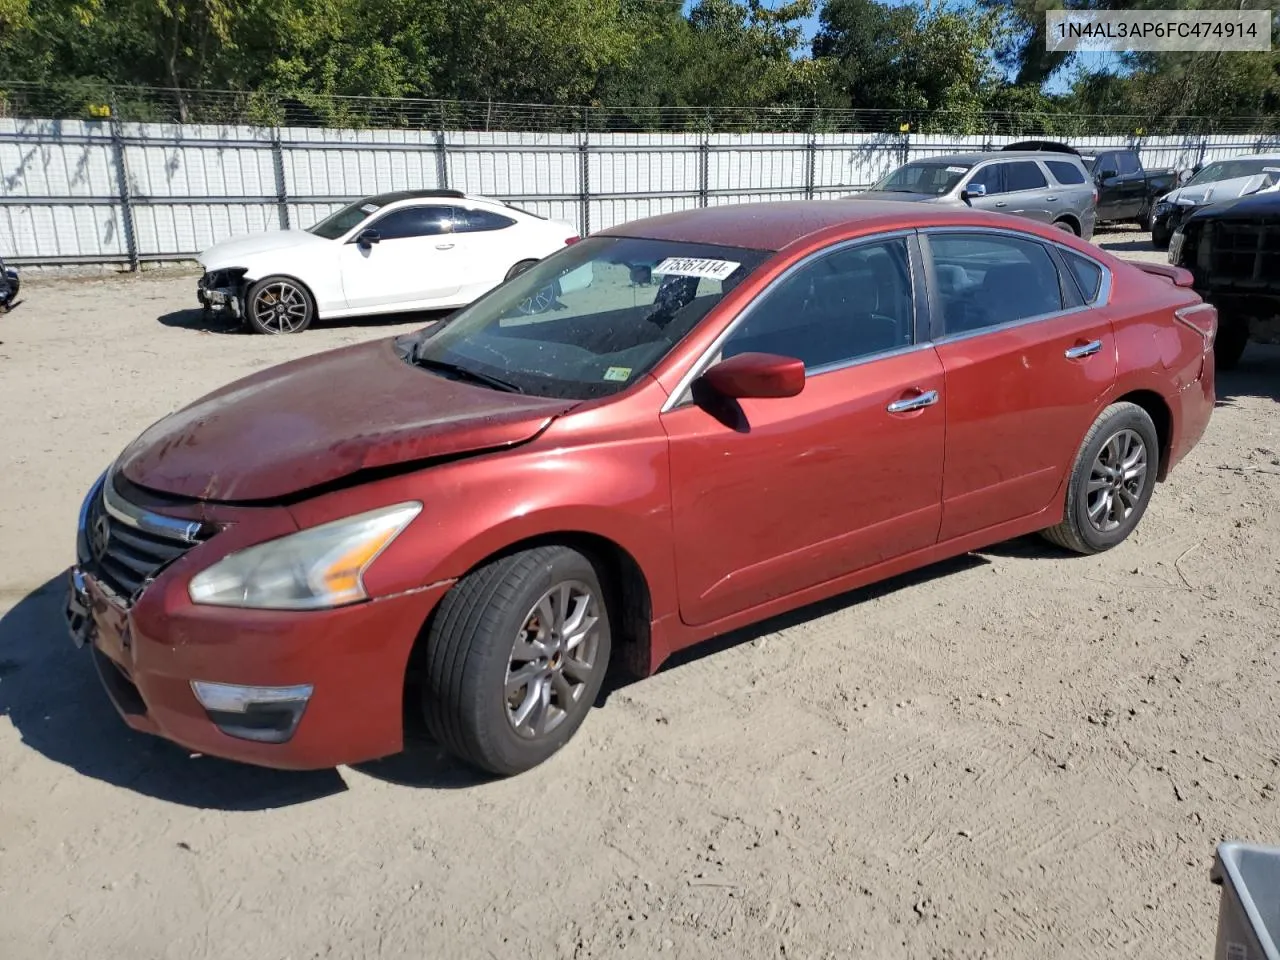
[[1084, 350], [1002, 203], [1050, 199], [444, 246], [926, 399]]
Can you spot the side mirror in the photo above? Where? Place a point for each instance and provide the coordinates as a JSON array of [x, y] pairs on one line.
[[973, 190], [368, 238], [1107, 174], [756, 375]]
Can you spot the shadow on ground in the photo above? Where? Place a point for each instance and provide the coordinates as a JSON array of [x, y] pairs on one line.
[[195, 321], [50, 692], [1256, 375], [1142, 245]]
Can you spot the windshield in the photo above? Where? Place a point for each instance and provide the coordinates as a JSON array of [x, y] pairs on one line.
[[589, 320], [1230, 169], [339, 224], [934, 177]]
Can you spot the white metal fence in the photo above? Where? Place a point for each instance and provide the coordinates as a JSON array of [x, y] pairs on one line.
[[74, 191]]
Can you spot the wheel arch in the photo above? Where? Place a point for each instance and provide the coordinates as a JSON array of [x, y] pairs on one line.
[[1071, 220], [254, 276], [625, 580], [1161, 415]]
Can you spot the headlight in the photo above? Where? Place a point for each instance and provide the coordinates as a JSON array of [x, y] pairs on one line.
[[309, 570], [1163, 207]]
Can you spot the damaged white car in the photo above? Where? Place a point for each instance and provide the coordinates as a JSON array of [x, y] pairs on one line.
[[1215, 182], [411, 250]]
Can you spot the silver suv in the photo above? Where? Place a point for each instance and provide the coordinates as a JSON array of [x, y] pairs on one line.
[[1050, 187]]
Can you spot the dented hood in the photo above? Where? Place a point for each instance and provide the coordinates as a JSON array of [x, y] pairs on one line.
[[316, 420]]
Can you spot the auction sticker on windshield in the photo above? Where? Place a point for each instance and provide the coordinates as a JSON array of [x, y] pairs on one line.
[[696, 267]]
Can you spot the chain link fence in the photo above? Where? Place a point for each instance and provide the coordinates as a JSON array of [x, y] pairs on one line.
[[82, 99], [128, 176]]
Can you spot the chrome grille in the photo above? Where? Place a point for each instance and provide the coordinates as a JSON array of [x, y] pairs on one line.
[[124, 546]]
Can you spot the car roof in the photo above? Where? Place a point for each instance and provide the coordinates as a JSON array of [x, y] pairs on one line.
[[398, 196], [773, 225], [1006, 155]]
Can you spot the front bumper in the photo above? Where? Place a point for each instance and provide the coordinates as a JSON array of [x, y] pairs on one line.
[[222, 291], [353, 659]]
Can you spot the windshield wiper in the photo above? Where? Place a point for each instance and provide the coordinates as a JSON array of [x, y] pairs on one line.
[[464, 373]]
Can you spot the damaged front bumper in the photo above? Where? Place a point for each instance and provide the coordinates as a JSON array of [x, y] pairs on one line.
[[222, 291]]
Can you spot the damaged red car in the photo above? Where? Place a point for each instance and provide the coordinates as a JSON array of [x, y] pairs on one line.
[[672, 429]]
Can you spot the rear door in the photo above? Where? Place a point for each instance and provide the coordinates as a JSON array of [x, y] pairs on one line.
[[1025, 360], [1027, 190]]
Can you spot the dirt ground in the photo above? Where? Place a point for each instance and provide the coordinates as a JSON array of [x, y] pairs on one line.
[[1015, 754]]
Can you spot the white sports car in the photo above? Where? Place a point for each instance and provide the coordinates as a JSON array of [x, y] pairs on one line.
[[412, 250]]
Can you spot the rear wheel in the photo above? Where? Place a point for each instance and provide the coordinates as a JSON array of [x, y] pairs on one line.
[[518, 269], [277, 305], [1230, 341], [1111, 481], [1066, 226], [515, 656]]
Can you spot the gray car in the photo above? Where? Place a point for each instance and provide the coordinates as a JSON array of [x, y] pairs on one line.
[[1050, 187]]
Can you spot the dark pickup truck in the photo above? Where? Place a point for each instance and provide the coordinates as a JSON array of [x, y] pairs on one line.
[[1126, 190], [1232, 249]]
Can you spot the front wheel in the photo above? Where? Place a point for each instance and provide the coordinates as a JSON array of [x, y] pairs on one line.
[[1111, 481], [277, 305], [515, 656]]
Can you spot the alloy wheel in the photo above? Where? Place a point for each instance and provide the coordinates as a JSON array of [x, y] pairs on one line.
[[553, 658], [1116, 481], [280, 308]]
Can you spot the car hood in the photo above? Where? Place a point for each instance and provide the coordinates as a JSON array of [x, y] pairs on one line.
[[236, 251], [317, 420], [1260, 206], [892, 195], [1202, 193]]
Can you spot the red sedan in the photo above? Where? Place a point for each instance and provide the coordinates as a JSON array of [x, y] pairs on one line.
[[669, 430]]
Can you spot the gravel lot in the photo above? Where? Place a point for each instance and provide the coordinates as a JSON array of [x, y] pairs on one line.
[[1014, 754]]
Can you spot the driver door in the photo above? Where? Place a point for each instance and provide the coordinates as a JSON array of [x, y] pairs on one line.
[[772, 496], [416, 260]]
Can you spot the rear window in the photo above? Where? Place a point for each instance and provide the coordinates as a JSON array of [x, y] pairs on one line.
[[1087, 273], [1064, 172], [1023, 175]]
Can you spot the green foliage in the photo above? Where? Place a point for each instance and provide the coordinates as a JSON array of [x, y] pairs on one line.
[[931, 64]]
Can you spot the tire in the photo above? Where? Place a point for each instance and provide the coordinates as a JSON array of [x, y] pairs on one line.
[[1160, 238], [1230, 341], [279, 305], [475, 644], [518, 269], [1067, 226], [1144, 216], [1115, 433]]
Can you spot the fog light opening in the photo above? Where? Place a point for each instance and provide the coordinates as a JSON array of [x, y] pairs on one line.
[[263, 714]]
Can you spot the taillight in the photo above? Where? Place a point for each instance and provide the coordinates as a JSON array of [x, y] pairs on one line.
[[570, 241], [1200, 317], [1095, 196]]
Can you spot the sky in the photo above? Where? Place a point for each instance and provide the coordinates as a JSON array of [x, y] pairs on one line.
[[1059, 83]]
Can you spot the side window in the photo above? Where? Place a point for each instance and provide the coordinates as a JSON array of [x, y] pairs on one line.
[[848, 304], [415, 222], [1065, 172], [985, 280], [990, 177], [1023, 175], [1088, 274], [482, 221], [1127, 162]]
